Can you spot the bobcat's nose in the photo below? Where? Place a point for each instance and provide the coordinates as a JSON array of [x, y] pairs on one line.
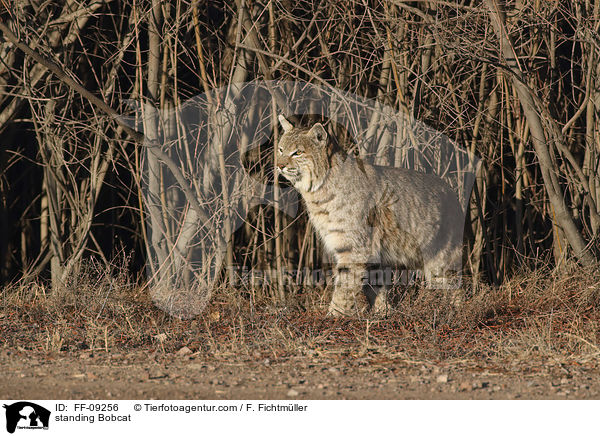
[[281, 165]]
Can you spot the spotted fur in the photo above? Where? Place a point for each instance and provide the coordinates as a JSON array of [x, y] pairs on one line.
[[367, 214]]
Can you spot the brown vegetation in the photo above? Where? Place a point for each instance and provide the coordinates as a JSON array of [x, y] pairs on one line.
[[535, 316], [513, 82]]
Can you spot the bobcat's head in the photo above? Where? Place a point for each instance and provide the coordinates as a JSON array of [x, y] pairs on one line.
[[303, 156]]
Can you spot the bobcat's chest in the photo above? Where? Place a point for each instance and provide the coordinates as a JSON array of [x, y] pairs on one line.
[[334, 223]]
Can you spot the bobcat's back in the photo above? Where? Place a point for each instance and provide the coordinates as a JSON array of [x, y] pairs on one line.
[[398, 216]]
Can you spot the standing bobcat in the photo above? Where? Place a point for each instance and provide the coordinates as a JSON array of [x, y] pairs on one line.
[[368, 214]]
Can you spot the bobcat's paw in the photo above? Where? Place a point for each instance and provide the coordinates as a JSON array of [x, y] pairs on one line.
[[346, 308], [335, 311], [381, 305]]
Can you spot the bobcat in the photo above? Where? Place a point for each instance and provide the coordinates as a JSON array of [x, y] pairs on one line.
[[367, 214]]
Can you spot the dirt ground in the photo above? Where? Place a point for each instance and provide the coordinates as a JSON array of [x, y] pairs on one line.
[[85, 375], [536, 337]]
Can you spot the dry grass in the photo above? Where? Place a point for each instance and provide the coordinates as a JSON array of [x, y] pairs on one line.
[[538, 315]]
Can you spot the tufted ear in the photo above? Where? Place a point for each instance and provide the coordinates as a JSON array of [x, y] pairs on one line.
[[318, 132], [287, 126]]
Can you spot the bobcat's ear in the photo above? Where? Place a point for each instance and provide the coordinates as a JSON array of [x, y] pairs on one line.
[[287, 126], [318, 132]]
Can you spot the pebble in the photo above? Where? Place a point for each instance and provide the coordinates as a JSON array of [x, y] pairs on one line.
[[292, 393], [184, 351], [442, 378], [481, 385]]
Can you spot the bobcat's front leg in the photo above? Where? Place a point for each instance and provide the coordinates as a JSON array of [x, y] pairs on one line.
[[348, 296]]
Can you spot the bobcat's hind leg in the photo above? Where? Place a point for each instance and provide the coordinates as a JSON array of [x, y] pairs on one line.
[[381, 305], [449, 281]]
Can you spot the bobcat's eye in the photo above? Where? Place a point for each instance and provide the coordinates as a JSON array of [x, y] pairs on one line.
[[280, 150], [296, 154]]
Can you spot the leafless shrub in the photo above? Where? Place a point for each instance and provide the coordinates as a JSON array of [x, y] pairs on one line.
[[513, 82]]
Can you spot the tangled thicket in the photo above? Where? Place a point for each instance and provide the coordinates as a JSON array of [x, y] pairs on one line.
[[516, 82]]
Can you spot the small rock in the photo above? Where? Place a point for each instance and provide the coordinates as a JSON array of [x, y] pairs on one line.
[[292, 393], [184, 351], [442, 378], [155, 374], [333, 370]]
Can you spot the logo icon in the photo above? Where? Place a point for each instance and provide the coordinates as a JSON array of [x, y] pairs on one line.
[[26, 415]]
